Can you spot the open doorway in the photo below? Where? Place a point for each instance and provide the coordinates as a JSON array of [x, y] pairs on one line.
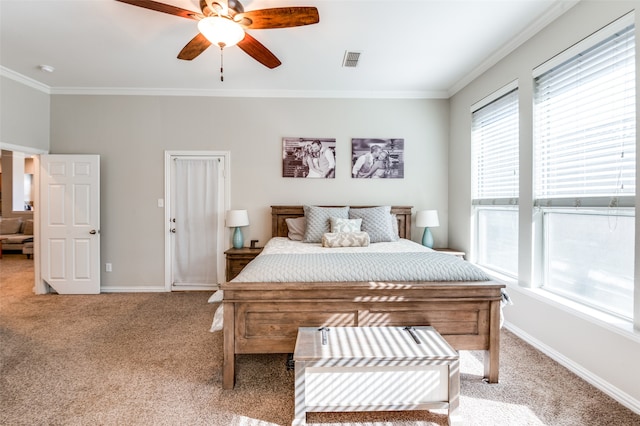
[[19, 189]]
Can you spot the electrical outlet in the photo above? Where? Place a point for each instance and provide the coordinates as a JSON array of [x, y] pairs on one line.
[[107, 267]]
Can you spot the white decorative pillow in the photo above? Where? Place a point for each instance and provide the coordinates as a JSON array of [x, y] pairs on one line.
[[345, 225], [377, 222], [345, 239], [394, 225], [318, 221], [296, 227]]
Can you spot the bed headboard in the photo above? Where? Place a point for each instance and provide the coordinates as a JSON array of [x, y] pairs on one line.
[[280, 213]]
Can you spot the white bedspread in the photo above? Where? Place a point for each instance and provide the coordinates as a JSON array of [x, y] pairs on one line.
[[330, 266], [282, 245]]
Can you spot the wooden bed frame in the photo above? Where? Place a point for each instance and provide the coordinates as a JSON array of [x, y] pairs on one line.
[[264, 317]]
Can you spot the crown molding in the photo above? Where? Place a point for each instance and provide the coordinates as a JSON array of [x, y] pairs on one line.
[[124, 91], [12, 75], [138, 91]]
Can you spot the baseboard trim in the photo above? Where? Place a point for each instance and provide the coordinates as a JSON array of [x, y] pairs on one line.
[[606, 387], [155, 289], [137, 289]]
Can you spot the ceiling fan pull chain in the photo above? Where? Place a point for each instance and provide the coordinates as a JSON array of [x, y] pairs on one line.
[[221, 63]]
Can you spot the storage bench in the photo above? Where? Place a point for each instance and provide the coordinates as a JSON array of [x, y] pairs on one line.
[[374, 369]]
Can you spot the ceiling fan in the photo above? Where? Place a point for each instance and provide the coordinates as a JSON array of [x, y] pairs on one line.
[[223, 22]]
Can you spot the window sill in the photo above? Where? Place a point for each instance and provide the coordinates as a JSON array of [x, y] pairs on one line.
[[613, 323]]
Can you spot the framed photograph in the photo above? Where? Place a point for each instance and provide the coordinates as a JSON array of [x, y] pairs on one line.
[[377, 158], [309, 158]]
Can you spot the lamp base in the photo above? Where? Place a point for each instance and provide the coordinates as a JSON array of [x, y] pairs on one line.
[[238, 239], [427, 238]]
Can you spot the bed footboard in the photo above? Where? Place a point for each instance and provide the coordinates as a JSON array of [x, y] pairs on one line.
[[265, 317]]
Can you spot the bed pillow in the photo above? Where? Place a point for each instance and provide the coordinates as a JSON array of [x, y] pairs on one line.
[[318, 221], [296, 227], [345, 239], [394, 225], [10, 226], [345, 225], [377, 222]]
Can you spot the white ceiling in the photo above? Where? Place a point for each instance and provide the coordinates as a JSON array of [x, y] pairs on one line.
[[419, 48]]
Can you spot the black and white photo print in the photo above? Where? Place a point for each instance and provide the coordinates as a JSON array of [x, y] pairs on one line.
[[309, 158], [377, 158]]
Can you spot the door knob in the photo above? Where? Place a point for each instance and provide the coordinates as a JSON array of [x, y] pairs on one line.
[[173, 230], [93, 232]]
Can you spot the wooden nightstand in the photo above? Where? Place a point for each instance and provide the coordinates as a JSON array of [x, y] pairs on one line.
[[237, 259], [452, 252]]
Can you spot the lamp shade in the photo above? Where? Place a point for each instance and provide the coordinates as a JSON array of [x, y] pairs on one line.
[[427, 219], [236, 218], [221, 31]]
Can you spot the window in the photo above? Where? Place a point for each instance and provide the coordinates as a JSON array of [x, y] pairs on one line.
[[494, 144], [497, 239], [585, 168], [589, 258]]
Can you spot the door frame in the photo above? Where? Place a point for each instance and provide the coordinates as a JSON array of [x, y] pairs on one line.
[[226, 187], [39, 287]]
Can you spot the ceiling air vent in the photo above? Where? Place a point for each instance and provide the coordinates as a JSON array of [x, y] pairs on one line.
[[351, 59]]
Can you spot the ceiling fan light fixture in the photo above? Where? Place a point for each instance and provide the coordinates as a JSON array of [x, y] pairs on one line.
[[221, 31]]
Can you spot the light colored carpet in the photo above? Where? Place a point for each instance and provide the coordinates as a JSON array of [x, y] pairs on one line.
[[149, 359]]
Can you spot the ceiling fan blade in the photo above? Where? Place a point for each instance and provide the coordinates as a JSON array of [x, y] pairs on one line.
[[165, 8], [278, 17], [206, 7], [195, 47], [257, 51]]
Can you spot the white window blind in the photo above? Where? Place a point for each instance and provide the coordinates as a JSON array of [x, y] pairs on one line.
[[494, 140], [585, 126]]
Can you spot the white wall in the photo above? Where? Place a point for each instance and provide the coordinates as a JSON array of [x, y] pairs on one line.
[[605, 355], [131, 133], [24, 116], [24, 127]]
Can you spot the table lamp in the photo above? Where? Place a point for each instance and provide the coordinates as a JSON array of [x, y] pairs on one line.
[[427, 219], [237, 218]]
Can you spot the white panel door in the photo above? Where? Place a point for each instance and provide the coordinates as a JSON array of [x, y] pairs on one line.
[[176, 219], [70, 223]]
